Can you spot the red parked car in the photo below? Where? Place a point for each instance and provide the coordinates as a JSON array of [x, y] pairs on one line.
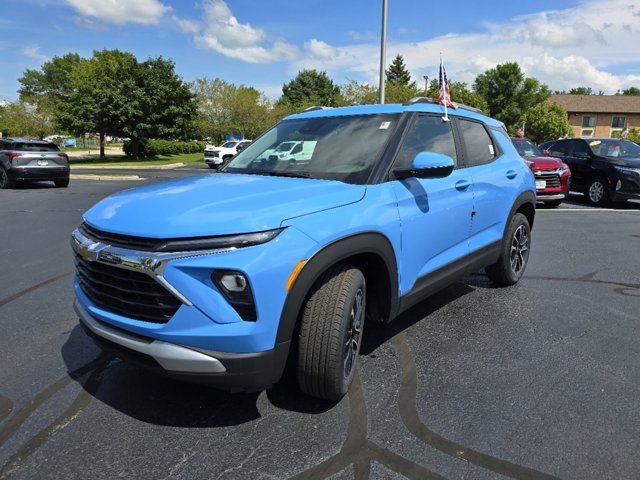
[[553, 176]]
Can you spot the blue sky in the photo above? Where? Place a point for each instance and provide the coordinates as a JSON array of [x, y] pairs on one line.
[[264, 43]]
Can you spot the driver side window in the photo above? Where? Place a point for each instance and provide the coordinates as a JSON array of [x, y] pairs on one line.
[[428, 134]]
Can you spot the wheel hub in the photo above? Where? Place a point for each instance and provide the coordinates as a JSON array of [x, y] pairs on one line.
[[354, 333], [519, 249], [596, 192]]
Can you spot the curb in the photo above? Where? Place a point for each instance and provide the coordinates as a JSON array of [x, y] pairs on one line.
[[168, 166], [104, 177]]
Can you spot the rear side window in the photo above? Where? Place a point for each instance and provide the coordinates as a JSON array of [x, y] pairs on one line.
[[35, 147], [559, 149], [479, 148], [428, 134]]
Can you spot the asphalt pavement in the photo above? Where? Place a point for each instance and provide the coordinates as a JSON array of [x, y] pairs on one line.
[[539, 380]]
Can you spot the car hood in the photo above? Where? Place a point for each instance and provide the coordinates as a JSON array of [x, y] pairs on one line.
[[545, 163], [217, 204]]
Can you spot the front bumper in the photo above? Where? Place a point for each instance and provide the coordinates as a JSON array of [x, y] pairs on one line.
[[38, 173], [213, 160], [234, 372]]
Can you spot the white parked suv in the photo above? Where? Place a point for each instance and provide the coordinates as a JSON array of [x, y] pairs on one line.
[[298, 151], [215, 156]]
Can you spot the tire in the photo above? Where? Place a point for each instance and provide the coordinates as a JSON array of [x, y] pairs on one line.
[[553, 204], [212, 166], [5, 180], [514, 254], [62, 183], [331, 333], [598, 192]]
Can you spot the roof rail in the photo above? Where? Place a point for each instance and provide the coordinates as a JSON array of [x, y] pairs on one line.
[[473, 109], [420, 100], [311, 109]]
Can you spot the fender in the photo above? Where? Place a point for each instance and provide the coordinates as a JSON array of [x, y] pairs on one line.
[[367, 242], [525, 197]]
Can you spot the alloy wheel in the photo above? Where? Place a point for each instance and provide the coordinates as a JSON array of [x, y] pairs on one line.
[[354, 333], [519, 249], [4, 179], [596, 192]]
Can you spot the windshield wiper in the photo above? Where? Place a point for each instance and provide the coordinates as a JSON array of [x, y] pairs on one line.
[[285, 174]]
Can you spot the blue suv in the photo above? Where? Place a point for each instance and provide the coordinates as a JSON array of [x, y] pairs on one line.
[[223, 278]]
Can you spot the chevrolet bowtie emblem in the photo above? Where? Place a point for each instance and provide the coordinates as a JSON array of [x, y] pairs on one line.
[[90, 250]]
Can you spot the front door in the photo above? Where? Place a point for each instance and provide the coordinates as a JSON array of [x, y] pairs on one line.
[[435, 213]]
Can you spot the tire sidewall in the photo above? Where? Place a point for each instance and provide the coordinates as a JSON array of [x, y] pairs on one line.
[[4, 179], [343, 380], [516, 221]]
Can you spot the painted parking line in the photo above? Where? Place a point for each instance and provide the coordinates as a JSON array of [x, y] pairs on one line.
[[80, 176], [586, 210]]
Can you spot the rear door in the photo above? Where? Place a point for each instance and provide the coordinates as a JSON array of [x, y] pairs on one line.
[[435, 213], [579, 161], [495, 180]]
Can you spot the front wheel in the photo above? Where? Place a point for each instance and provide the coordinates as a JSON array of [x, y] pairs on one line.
[[514, 254], [331, 333], [598, 192]]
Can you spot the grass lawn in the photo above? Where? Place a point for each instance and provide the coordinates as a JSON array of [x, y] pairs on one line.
[[79, 149], [186, 158]]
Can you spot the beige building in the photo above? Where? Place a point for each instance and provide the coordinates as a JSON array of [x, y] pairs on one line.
[[600, 115]]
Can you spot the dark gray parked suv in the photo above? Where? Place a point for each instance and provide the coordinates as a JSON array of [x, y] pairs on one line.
[[30, 160]]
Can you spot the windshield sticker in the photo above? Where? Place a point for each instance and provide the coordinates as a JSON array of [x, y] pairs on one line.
[[595, 142], [491, 150], [384, 125]]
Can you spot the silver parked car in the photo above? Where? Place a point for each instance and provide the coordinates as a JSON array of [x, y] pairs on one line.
[[24, 159]]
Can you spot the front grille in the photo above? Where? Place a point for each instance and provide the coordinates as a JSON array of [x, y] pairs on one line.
[[211, 154], [125, 292], [124, 241], [552, 179]]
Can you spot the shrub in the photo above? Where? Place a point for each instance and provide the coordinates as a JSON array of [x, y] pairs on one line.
[[153, 148]]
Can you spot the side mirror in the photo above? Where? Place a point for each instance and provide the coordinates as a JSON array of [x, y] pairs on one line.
[[427, 165]]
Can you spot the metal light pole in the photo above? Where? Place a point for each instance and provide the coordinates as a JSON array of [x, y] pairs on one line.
[[383, 49], [426, 83]]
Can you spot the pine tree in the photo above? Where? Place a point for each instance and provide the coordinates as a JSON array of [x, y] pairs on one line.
[[397, 74]]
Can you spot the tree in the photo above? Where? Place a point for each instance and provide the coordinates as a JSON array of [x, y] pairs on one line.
[[635, 91], [114, 94], [509, 93], [397, 73], [309, 88], [49, 86], [357, 93], [21, 119], [581, 91], [545, 121], [460, 93]]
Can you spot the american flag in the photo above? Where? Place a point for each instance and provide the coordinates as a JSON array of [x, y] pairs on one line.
[[444, 98]]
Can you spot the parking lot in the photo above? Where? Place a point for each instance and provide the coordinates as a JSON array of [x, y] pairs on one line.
[[539, 380]]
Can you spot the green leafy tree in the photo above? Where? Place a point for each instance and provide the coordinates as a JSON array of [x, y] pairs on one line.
[[633, 135], [397, 73], [631, 91], [460, 93], [21, 119], [581, 91], [509, 93], [114, 94], [309, 88], [357, 93], [545, 121], [49, 86]]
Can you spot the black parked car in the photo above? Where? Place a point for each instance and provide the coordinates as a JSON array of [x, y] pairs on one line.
[[604, 169], [25, 159]]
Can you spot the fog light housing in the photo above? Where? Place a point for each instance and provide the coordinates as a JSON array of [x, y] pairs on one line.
[[618, 185], [235, 287]]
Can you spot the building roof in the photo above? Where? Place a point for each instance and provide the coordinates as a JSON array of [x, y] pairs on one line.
[[598, 103]]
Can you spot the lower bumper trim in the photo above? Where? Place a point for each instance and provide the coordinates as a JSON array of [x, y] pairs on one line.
[[171, 357], [544, 198]]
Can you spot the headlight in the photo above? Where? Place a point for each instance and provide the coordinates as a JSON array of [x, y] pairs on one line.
[[220, 242], [563, 168], [628, 170]]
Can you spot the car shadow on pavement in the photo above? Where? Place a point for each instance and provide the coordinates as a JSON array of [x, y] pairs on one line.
[[155, 399]]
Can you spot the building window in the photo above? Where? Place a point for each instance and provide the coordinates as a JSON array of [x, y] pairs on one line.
[[587, 132], [618, 122], [588, 121]]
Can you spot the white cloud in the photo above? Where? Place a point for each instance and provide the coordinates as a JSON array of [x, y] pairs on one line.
[[33, 52], [221, 31], [563, 48], [119, 12]]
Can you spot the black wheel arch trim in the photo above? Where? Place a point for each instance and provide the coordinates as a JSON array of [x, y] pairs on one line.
[[360, 243], [525, 197]]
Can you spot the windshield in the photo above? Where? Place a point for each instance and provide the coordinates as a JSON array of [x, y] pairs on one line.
[[333, 148], [615, 148], [285, 147], [229, 144], [527, 149], [35, 147]]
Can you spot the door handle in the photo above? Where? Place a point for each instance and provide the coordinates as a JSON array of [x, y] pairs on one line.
[[462, 185], [511, 174]]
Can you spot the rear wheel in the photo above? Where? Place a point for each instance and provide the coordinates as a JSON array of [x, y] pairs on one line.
[[598, 192], [515, 252], [61, 183], [331, 333], [5, 180]]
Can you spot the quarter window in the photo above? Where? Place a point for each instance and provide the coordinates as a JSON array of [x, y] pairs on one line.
[[479, 148], [428, 134]]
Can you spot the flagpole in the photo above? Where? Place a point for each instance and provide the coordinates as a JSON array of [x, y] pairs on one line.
[[444, 87], [383, 50]]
